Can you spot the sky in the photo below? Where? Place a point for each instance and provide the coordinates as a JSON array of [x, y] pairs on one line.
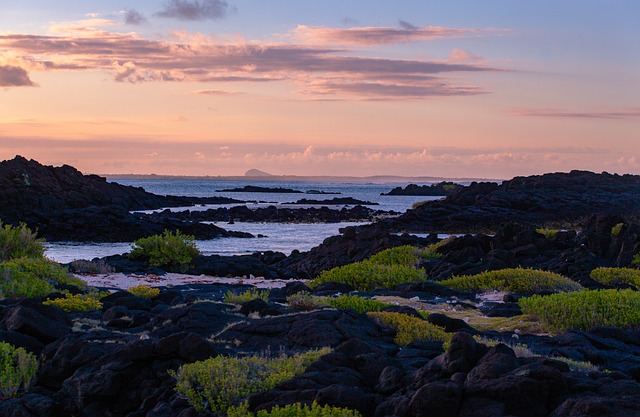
[[464, 88]]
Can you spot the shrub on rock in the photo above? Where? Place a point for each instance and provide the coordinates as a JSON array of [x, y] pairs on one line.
[[296, 410], [144, 291], [410, 329], [19, 242], [168, 250], [584, 310], [617, 276], [76, 302], [17, 370], [27, 277], [219, 383], [359, 304], [231, 297], [515, 280]]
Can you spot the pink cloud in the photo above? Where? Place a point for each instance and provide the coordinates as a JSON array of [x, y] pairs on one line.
[[368, 36], [12, 76], [623, 113]]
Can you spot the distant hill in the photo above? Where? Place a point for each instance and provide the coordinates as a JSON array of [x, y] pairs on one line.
[[257, 173]]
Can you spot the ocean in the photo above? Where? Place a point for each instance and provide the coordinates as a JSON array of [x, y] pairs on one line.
[[282, 237]]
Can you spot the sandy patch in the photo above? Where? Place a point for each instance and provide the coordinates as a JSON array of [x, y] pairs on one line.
[[125, 281]]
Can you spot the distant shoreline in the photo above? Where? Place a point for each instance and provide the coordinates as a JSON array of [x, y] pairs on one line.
[[299, 178]]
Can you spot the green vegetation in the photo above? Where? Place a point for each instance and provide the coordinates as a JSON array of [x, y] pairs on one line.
[[296, 410], [636, 259], [222, 382], [144, 291], [366, 275], [78, 302], [304, 301], [359, 304], [615, 230], [231, 297], [548, 233], [584, 310], [19, 242], [616, 276], [410, 329], [26, 277], [168, 250], [17, 370], [516, 280], [97, 266]]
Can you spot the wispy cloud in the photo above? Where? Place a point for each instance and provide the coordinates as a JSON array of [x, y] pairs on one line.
[[623, 113], [215, 92], [376, 35], [196, 9], [12, 76], [328, 72]]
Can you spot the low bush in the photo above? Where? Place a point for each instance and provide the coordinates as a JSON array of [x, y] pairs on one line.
[[410, 329], [78, 302], [304, 301], [98, 266], [168, 250], [585, 309], [27, 277], [144, 291], [548, 233], [359, 304], [616, 276], [296, 410], [615, 230], [17, 370], [400, 255], [515, 280], [636, 259], [222, 382], [19, 242], [366, 275], [231, 297]]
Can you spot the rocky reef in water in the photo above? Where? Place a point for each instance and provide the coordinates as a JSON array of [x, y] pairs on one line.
[[63, 204]]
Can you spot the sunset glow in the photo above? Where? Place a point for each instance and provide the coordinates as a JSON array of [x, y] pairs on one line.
[[417, 88]]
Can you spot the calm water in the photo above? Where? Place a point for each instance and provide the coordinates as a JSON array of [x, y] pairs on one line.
[[283, 237]]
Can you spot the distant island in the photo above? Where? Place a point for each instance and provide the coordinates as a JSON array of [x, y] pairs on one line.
[[256, 189], [443, 189], [336, 201]]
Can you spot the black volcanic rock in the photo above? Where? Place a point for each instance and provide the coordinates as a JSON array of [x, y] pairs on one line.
[[256, 189], [443, 188], [335, 201], [63, 204]]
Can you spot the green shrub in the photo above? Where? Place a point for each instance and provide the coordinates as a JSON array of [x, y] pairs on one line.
[[400, 255], [296, 410], [548, 233], [17, 370], [636, 259], [167, 250], [359, 304], [304, 301], [27, 277], [366, 275], [231, 297], [144, 291], [586, 309], [410, 329], [19, 242], [98, 266], [516, 280], [616, 276], [615, 230], [76, 302], [221, 382]]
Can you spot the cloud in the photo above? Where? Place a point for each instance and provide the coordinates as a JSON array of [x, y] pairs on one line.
[[328, 73], [623, 113], [460, 56], [133, 17], [196, 9], [12, 76], [215, 92], [381, 35]]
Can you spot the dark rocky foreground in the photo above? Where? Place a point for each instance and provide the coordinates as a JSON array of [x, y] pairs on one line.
[[114, 362], [63, 204]]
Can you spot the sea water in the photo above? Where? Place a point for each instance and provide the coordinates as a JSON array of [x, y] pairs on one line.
[[282, 237]]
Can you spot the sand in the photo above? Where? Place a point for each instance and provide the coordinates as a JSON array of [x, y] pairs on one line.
[[125, 281]]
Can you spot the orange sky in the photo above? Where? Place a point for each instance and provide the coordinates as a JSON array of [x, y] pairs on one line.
[[332, 92]]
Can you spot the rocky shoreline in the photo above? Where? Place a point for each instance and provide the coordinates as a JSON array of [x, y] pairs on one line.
[[117, 360]]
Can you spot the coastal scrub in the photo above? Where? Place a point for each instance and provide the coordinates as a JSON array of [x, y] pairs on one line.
[[17, 370], [514, 280], [19, 242], [168, 250]]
